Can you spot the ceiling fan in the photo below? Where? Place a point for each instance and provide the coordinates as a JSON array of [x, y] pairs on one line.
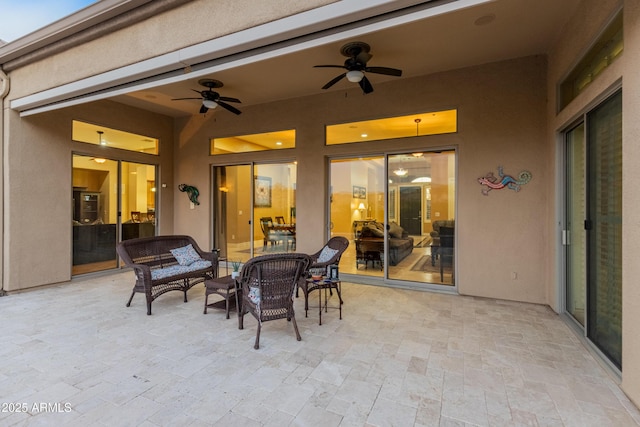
[[211, 99], [357, 54]]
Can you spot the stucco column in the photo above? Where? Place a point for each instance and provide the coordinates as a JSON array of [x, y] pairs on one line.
[[4, 91]]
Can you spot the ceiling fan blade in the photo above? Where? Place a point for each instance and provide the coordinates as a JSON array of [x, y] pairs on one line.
[[203, 109], [334, 81], [330, 66], [180, 99], [227, 99], [365, 84], [384, 70], [228, 107]]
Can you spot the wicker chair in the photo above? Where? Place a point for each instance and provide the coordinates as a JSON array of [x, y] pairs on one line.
[[319, 264], [267, 284]]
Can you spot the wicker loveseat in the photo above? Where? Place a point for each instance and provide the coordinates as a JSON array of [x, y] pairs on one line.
[[166, 263]]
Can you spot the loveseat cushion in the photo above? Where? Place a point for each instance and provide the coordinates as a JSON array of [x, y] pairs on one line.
[[177, 270], [186, 255], [395, 230], [372, 231]]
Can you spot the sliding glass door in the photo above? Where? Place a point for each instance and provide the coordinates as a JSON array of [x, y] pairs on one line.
[[401, 223], [94, 214], [575, 236], [357, 213], [421, 217], [96, 204], [137, 200], [255, 211], [604, 224], [593, 232]]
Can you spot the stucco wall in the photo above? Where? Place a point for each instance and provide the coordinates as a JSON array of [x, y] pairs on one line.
[[187, 25], [579, 34], [38, 200], [501, 121], [631, 204]]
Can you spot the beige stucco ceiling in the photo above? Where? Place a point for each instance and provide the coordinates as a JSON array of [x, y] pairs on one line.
[[493, 31]]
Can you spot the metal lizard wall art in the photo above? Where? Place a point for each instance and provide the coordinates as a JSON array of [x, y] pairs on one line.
[[191, 191], [490, 182]]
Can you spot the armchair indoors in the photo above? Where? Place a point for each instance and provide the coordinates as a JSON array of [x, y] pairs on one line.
[[267, 284], [270, 236], [435, 236], [446, 250]]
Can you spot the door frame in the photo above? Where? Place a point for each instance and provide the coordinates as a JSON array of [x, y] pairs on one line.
[[118, 202], [384, 280], [561, 214]]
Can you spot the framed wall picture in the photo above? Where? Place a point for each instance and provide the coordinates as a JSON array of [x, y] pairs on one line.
[[359, 192], [262, 192]]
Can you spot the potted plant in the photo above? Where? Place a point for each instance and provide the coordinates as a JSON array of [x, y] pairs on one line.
[[236, 268]]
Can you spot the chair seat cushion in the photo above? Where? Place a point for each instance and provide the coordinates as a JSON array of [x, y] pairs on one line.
[[177, 270]]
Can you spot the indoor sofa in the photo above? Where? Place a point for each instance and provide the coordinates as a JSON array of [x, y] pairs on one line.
[[369, 241]]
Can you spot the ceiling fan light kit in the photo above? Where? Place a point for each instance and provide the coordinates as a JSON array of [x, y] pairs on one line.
[[209, 103], [355, 76], [211, 99], [358, 55]]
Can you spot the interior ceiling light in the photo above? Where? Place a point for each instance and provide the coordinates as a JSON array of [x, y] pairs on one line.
[[279, 143], [209, 103], [422, 179], [355, 76], [364, 135], [400, 172], [99, 160], [100, 140], [417, 154]]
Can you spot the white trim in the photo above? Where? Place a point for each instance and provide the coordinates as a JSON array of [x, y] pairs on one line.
[[81, 20], [262, 38]]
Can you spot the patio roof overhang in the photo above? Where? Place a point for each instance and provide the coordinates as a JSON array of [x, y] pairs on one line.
[[399, 29]]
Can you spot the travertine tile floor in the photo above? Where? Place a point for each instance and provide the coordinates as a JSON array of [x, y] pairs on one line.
[[74, 355]]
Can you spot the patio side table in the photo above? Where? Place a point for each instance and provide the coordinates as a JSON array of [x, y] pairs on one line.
[[226, 287], [325, 286]]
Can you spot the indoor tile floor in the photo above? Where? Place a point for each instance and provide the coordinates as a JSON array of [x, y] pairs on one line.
[[74, 355]]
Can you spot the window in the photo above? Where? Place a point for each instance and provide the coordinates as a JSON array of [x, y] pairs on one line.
[[255, 142], [431, 123], [100, 135], [603, 53]]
